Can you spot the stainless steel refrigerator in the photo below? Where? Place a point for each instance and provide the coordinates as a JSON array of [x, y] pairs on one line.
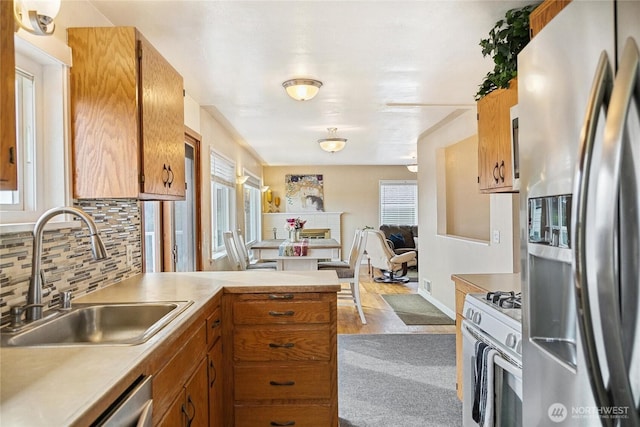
[[579, 142]]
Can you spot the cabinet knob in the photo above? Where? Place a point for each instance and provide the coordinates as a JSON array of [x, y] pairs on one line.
[[285, 345], [501, 170], [170, 179], [283, 423], [496, 172], [282, 383]]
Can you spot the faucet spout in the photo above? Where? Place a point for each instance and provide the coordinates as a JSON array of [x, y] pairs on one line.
[[34, 296]]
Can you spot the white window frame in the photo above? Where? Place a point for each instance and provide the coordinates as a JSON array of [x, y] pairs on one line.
[[252, 205], [403, 209], [48, 61], [222, 172]]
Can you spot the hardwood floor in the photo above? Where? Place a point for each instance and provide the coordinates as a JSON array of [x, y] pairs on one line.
[[381, 318]]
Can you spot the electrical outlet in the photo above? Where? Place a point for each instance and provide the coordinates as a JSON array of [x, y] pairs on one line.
[[130, 256], [496, 236]]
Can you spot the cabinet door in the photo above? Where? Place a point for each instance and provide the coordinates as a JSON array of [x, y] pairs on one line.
[[197, 397], [8, 154], [508, 98], [162, 118], [104, 113], [215, 385], [176, 415], [488, 133]]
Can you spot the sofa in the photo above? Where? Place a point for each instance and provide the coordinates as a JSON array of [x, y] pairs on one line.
[[402, 238]]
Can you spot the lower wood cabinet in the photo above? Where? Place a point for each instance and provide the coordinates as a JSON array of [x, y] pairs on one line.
[[191, 407], [280, 359], [216, 376]]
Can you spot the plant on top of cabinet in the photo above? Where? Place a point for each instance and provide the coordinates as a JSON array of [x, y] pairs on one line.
[[506, 39], [127, 113]]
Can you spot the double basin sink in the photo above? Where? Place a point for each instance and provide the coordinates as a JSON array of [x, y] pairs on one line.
[[97, 324]]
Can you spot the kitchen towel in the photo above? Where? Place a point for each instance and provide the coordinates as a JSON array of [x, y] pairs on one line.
[[483, 385]]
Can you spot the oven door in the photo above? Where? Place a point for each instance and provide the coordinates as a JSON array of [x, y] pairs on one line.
[[507, 382]]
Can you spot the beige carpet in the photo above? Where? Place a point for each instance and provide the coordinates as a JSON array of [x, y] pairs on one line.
[[413, 309]]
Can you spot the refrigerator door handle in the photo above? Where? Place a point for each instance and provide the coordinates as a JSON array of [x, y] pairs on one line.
[[598, 99], [626, 86]]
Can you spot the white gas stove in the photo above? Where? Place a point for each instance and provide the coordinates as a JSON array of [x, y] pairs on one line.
[[497, 317]]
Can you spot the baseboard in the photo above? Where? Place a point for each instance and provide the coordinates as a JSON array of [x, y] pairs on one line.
[[443, 308]]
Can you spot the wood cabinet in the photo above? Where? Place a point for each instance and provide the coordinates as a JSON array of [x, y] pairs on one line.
[[181, 387], [8, 153], [494, 139], [282, 359], [544, 13], [127, 113]]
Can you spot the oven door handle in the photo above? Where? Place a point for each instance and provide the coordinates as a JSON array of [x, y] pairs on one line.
[[507, 366]]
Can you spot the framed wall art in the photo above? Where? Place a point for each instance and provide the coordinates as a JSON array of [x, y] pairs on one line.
[[304, 193]]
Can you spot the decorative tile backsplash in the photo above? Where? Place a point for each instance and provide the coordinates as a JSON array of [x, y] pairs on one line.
[[67, 263]]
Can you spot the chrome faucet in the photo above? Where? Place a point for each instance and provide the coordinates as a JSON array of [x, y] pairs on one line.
[[34, 296]]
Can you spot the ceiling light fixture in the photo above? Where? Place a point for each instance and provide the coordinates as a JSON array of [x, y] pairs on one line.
[[38, 14], [332, 143], [302, 89], [413, 168]]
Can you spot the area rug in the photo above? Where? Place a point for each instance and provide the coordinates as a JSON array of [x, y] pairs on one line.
[[413, 309], [398, 380]]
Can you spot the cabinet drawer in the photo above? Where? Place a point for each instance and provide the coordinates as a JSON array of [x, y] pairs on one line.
[[214, 327], [280, 415], [283, 381], [281, 312], [281, 344]]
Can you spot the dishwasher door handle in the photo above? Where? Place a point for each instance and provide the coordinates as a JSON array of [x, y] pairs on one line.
[[145, 419]]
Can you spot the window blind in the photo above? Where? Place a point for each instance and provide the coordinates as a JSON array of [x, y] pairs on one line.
[[223, 170], [399, 202]]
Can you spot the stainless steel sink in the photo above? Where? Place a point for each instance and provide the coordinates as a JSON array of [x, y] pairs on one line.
[[91, 324]]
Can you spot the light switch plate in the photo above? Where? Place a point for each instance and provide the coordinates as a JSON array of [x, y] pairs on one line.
[[496, 236]]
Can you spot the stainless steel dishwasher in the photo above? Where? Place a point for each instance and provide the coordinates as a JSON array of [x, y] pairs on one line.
[[132, 409]]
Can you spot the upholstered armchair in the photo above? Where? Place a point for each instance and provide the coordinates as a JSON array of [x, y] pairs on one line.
[[402, 238], [382, 257]]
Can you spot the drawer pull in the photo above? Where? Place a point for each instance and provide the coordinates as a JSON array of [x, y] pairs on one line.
[[285, 345], [282, 383], [285, 423], [283, 296], [215, 323], [282, 313]]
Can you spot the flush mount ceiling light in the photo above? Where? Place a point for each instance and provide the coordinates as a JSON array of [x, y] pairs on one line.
[[302, 89], [413, 168], [36, 16], [332, 143]]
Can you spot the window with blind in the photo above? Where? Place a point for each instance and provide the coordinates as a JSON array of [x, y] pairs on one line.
[[399, 202], [252, 208], [223, 172]]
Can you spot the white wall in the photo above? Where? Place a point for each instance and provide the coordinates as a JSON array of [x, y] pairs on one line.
[[440, 255]]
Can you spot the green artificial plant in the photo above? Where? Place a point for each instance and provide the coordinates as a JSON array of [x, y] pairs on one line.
[[505, 41]]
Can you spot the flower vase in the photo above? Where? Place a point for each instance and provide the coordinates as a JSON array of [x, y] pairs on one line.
[[294, 235]]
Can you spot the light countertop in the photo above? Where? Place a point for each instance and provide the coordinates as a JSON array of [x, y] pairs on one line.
[[491, 282], [56, 385]]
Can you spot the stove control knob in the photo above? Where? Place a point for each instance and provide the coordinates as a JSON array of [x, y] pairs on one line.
[[469, 313], [519, 347], [477, 318], [511, 341]]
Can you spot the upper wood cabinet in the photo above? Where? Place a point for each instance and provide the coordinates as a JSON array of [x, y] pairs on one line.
[[127, 114], [8, 153], [494, 139]]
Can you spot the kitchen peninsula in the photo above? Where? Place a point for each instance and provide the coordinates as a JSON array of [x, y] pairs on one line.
[[73, 385]]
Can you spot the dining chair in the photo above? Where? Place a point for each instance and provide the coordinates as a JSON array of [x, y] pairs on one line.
[[242, 251], [232, 251], [350, 271], [237, 258]]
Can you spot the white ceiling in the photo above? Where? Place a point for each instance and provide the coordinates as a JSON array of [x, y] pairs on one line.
[[372, 56]]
